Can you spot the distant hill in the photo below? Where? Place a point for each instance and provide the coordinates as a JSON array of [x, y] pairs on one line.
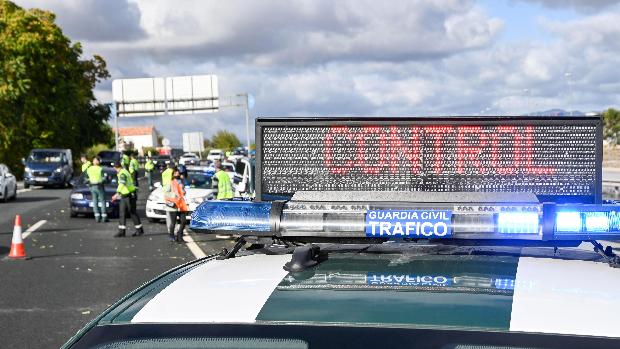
[[558, 112]]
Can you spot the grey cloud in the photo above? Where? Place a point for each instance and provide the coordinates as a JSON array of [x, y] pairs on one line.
[[94, 20]]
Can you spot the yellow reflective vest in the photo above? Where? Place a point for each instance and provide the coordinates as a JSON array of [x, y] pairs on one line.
[[94, 174], [125, 183]]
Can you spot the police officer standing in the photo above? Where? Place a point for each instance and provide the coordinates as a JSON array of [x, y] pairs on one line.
[[126, 193], [166, 179], [176, 206], [85, 163], [94, 173], [224, 186], [149, 166], [134, 167]]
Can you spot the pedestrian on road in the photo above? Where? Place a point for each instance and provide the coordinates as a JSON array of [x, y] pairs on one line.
[[85, 163], [134, 167], [94, 176], [149, 166], [126, 193], [224, 185], [166, 179], [176, 206]]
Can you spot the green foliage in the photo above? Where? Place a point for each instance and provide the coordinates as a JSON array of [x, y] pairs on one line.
[[91, 152], [225, 140], [611, 124], [46, 89], [153, 151]]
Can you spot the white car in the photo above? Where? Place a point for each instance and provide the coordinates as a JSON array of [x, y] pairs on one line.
[[8, 184], [198, 189], [215, 155], [189, 159]]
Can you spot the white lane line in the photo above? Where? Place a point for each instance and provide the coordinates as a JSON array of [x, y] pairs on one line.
[[193, 247], [31, 230]]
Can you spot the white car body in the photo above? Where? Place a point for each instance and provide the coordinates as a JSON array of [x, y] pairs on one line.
[[8, 184], [156, 206], [188, 157], [215, 155]]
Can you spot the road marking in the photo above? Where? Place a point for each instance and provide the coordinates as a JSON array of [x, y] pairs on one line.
[[19, 191], [193, 247], [31, 230]]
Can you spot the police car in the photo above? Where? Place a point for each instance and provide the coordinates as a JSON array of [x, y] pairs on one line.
[[423, 233], [198, 188]]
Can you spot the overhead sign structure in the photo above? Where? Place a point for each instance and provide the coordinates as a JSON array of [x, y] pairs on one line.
[[193, 142], [166, 96], [558, 159]]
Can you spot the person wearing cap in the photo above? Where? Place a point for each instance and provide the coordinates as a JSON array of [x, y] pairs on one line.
[[85, 163], [134, 167], [126, 193], [149, 166], [176, 206], [224, 185], [94, 176]]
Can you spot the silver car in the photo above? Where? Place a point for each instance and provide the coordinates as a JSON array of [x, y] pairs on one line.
[[8, 184]]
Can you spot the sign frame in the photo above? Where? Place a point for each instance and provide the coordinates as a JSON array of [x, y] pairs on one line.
[[585, 120]]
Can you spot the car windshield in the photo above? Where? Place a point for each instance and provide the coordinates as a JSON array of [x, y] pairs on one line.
[[109, 178], [45, 156], [109, 155], [199, 180]]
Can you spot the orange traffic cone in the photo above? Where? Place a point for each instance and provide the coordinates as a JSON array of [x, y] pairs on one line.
[[17, 244]]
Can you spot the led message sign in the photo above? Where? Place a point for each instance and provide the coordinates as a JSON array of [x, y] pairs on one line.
[[555, 158]]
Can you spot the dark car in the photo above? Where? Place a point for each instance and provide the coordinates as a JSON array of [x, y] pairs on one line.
[[109, 157], [162, 161], [80, 200], [48, 167]]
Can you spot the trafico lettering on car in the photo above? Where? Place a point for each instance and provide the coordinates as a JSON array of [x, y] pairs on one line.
[[409, 223]]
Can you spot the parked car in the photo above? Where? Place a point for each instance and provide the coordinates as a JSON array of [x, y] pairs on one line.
[[161, 161], [48, 167], [189, 159], [215, 155], [80, 199], [198, 189], [109, 157], [8, 184]]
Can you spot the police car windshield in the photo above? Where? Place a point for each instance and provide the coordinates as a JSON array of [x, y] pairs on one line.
[[199, 180], [45, 157]]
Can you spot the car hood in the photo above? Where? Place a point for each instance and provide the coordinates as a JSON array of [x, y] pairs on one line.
[[496, 292], [190, 193], [86, 190]]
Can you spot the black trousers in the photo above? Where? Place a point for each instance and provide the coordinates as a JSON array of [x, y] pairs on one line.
[[128, 207], [172, 222]]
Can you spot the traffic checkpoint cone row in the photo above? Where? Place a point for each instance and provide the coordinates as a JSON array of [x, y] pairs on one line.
[[17, 243]]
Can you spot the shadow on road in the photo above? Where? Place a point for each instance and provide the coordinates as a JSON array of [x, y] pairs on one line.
[[36, 198], [4, 250]]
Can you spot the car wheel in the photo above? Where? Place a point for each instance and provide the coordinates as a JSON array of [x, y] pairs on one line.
[[14, 193], [26, 185], [5, 198], [72, 214]]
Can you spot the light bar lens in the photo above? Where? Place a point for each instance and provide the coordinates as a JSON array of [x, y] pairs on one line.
[[232, 216], [596, 221], [567, 221], [517, 223]]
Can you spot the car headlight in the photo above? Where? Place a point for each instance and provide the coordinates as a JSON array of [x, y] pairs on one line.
[[77, 196], [27, 170], [59, 169]]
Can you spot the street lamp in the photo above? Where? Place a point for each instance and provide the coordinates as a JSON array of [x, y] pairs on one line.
[[568, 76]]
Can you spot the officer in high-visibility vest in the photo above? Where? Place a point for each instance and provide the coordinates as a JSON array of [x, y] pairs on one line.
[[224, 186], [149, 166], [134, 167], [85, 163], [94, 175], [126, 193]]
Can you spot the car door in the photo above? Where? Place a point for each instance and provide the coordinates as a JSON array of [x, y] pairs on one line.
[[3, 181], [11, 181]]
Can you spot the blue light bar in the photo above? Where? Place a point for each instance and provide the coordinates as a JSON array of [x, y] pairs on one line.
[[567, 221], [232, 216], [596, 221], [517, 223], [588, 222]]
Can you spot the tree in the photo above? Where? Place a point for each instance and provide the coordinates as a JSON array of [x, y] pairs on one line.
[[611, 125], [225, 140], [46, 89]]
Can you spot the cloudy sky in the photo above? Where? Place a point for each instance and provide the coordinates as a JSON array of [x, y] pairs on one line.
[[358, 57]]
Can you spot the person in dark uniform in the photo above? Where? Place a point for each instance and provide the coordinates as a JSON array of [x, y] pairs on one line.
[[126, 193]]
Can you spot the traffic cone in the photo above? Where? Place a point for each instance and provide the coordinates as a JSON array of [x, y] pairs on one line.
[[17, 244]]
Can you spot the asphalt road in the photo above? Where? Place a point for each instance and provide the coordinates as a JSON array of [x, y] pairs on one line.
[[76, 269]]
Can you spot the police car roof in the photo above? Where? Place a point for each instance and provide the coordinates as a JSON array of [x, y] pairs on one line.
[[505, 289]]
